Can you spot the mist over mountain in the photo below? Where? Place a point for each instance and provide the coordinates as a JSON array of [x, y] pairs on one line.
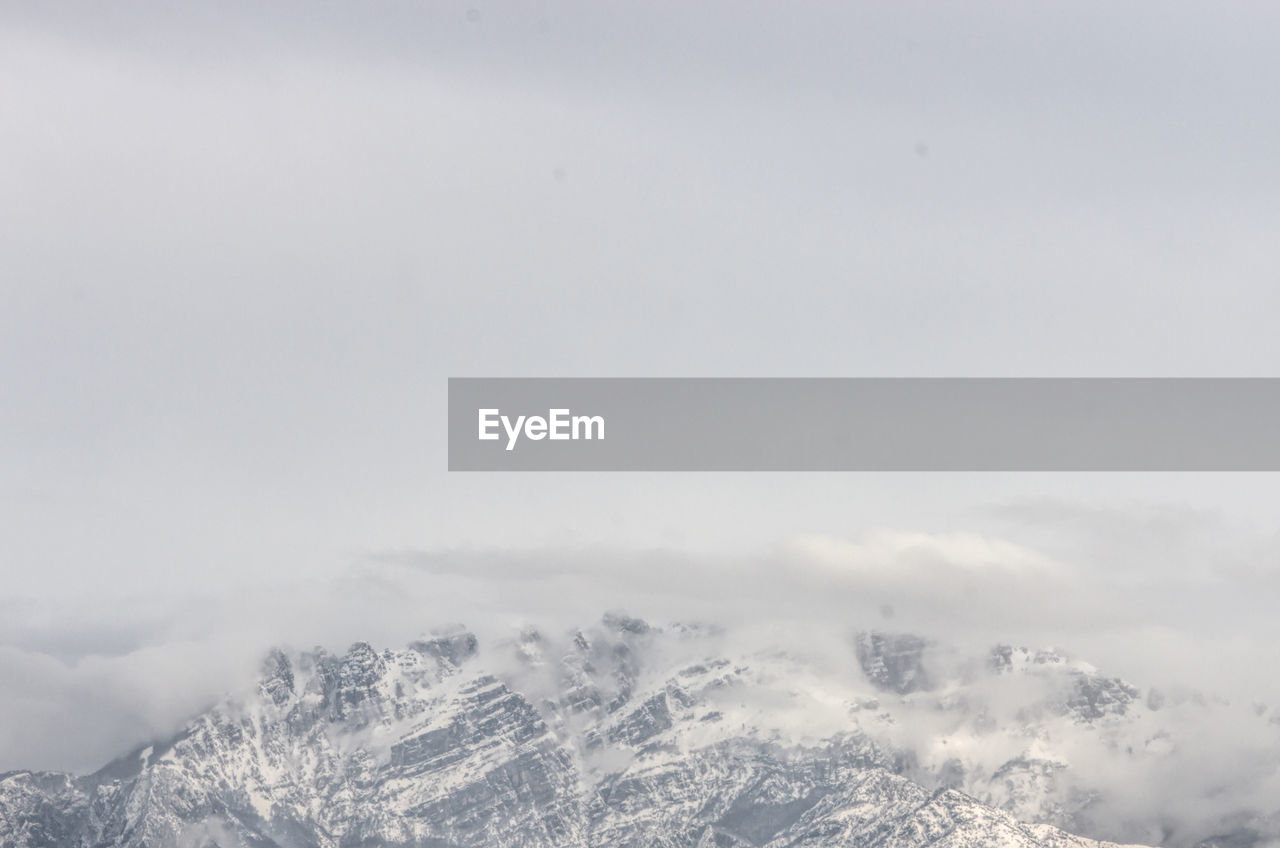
[[630, 732], [244, 246]]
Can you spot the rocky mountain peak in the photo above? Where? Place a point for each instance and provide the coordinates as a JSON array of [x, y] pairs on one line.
[[893, 662], [613, 739]]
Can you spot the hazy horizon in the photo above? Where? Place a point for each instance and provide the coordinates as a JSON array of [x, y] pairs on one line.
[[243, 248]]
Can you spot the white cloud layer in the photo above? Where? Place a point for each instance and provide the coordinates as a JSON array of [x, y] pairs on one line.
[[241, 250], [80, 684]]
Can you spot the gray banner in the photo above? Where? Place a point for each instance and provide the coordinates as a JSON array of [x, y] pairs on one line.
[[891, 424]]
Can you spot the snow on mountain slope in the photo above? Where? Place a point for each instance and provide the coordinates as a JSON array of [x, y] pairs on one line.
[[623, 734]]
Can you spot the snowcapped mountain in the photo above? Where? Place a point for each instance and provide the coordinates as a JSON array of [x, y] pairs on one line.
[[622, 734]]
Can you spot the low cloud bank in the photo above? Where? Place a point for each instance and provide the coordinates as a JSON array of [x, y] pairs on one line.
[[80, 684]]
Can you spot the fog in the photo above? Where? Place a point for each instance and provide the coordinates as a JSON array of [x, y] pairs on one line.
[[92, 679], [242, 248]]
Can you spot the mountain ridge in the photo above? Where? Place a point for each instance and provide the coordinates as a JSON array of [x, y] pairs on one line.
[[622, 734]]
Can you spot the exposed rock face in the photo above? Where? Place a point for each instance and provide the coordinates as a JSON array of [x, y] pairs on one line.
[[599, 739], [1087, 695], [893, 662]]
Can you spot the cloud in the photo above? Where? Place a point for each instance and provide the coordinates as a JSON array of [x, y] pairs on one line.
[[93, 679], [948, 567], [251, 245], [65, 705], [79, 715]]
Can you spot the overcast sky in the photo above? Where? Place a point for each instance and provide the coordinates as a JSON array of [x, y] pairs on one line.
[[241, 250]]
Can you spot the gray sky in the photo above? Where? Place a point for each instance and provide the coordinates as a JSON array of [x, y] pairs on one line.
[[241, 251]]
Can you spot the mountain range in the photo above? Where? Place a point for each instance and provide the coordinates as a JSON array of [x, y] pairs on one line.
[[627, 734]]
